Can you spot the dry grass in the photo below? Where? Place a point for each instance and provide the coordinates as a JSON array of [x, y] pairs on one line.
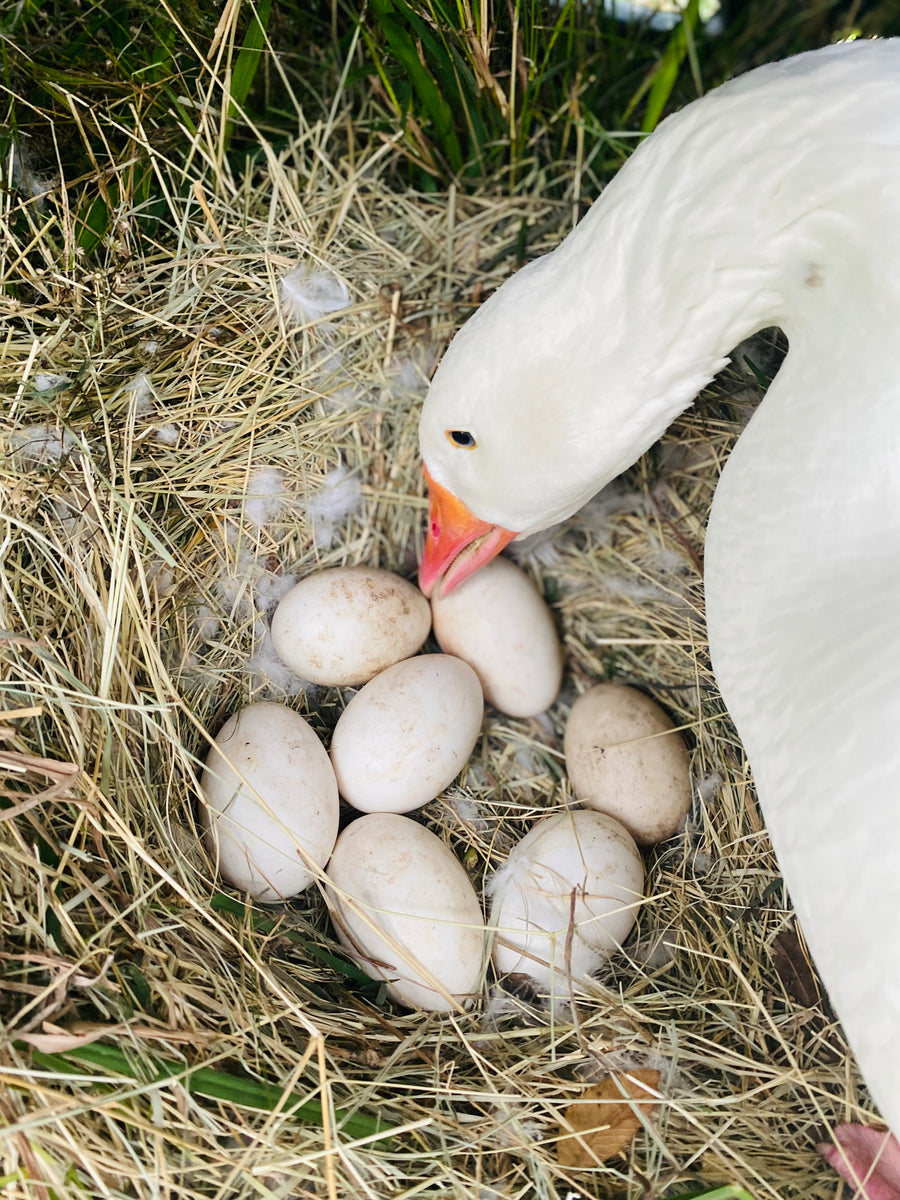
[[144, 537]]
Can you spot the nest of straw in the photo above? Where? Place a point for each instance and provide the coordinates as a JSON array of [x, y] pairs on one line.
[[176, 450]]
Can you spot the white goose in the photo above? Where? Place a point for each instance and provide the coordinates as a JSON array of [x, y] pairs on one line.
[[775, 200]]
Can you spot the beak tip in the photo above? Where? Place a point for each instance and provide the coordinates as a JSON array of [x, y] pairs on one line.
[[457, 542], [429, 569]]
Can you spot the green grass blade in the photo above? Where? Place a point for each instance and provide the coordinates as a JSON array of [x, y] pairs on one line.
[[667, 72], [250, 56], [20, 14], [403, 47], [457, 80], [205, 1081], [246, 64], [341, 966]]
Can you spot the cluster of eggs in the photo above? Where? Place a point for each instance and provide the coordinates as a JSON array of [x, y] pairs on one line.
[[402, 904]]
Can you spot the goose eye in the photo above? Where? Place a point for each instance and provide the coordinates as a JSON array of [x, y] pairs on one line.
[[462, 438]]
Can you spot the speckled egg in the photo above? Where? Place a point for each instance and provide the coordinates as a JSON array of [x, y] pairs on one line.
[[270, 802], [625, 757], [407, 734], [566, 898], [405, 909], [498, 622], [342, 626]]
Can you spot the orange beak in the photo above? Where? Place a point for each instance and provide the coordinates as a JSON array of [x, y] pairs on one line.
[[457, 543]]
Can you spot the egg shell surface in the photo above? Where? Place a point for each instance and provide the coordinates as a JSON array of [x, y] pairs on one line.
[[407, 734], [580, 852], [625, 757], [340, 627], [269, 790], [498, 622], [405, 909]]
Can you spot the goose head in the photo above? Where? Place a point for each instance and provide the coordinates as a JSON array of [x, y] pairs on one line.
[[724, 221]]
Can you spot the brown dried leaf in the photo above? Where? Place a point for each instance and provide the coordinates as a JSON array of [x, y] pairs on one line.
[[794, 968], [605, 1119]]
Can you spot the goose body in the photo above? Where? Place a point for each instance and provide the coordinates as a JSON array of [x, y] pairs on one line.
[[774, 200]]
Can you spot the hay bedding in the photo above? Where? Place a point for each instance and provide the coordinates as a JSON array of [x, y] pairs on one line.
[[176, 451]]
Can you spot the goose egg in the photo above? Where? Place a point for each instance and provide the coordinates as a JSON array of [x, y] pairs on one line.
[[566, 897], [407, 734], [498, 622], [625, 757], [342, 626], [270, 802], [404, 907]]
